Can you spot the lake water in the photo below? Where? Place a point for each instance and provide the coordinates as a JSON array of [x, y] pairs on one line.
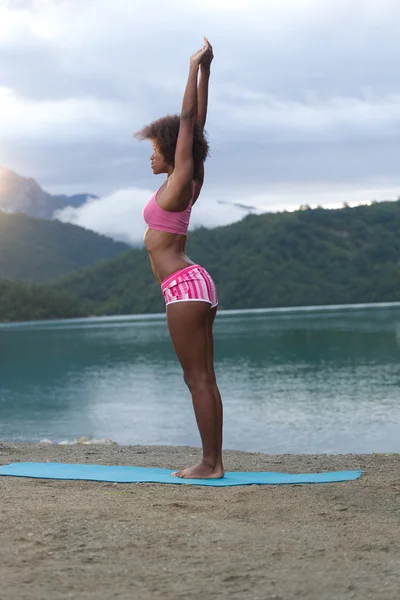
[[305, 380]]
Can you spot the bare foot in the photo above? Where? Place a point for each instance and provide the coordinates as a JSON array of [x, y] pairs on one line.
[[201, 471]]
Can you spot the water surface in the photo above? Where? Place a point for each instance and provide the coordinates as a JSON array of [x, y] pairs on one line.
[[305, 380]]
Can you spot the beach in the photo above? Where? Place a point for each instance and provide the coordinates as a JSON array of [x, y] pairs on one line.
[[91, 540]]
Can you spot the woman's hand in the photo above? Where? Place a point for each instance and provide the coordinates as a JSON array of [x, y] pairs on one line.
[[197, 58], [208, 56]]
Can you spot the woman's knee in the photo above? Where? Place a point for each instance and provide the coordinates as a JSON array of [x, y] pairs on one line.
[[197, 379]]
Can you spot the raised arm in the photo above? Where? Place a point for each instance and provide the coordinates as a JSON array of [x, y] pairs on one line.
[[180, 182], [202, 90], [183, 171], [202, 102]]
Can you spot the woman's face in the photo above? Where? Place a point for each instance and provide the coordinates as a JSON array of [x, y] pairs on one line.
[[157, 161]]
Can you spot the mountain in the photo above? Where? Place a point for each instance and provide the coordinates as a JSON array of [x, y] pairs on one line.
[[307, 257], [37, 250], [24, 195]]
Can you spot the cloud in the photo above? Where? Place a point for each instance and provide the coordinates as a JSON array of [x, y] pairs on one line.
[[313, 120], [119, 215], [56, 122], [303, 93]]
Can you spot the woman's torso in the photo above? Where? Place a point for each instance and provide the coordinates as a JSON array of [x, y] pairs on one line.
[[167, 251]]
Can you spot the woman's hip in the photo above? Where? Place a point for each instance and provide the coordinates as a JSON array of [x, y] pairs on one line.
[[190, 284]]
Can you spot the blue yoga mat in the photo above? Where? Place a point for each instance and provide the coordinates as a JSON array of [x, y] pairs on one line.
[[116, 474]]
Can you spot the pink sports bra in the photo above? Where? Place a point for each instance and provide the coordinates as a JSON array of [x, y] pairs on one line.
[[164, 220]]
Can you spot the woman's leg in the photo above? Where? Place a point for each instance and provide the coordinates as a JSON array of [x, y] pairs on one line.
[[189, 327], [210, 366]]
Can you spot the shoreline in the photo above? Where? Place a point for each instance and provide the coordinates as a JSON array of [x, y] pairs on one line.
[[83, 539], [273, 310], [107, 452], [87, 444]]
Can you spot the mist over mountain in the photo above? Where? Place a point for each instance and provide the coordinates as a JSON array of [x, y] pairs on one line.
[[24, 195]]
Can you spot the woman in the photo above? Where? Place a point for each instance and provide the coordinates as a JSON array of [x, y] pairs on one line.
[[180, 149]]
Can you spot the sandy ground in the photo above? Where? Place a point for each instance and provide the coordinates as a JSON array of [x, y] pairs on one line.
[[64, 539]]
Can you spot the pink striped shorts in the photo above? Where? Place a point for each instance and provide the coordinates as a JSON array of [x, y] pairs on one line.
[[191, 283]]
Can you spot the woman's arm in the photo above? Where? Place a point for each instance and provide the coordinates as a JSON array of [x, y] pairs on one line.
[[202, 101], [182, 176], [202, 91], [202, 96]]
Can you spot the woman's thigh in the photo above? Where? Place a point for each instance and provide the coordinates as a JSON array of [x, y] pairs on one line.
[[188, 324]]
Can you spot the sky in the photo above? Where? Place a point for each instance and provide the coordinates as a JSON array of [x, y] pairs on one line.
[[304, 103]]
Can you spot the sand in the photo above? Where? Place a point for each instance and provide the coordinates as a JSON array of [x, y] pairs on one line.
[[89, 540]]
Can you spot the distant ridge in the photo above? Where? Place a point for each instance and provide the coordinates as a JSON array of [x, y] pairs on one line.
[[24, 195]]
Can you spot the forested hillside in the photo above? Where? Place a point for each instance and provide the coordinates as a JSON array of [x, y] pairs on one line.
[[37, 250], [309, 257]]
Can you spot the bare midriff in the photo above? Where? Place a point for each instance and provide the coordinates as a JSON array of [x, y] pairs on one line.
[[167, 252]]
